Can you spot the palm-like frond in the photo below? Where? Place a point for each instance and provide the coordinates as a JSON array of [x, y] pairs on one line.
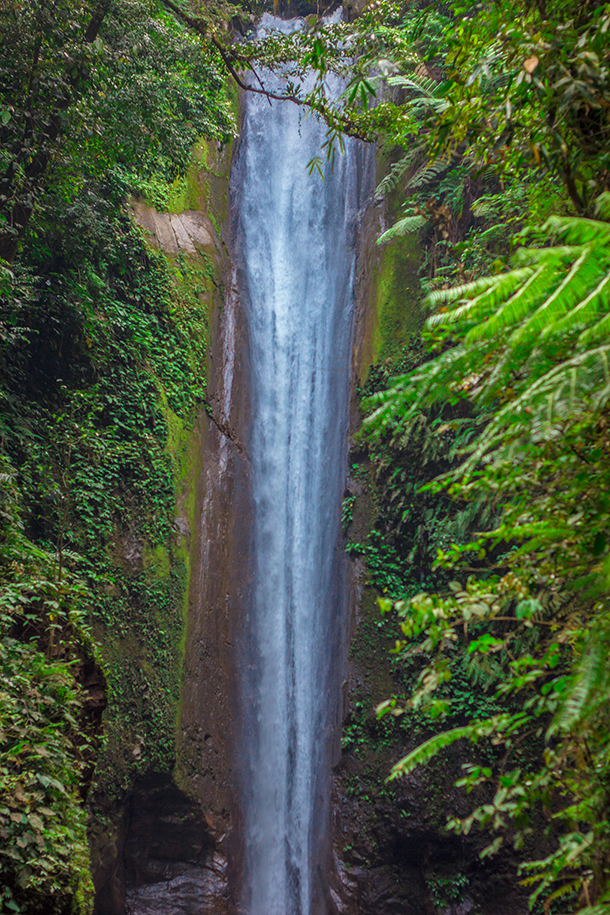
[[574, 287], [395, 409], [517, 306], [463, 292], [435, 744], [550, 292], [427, 173], [493, 292], [431, 748], [570, 388], [592, 306], [541, 329], [579, 231], [427, 92], [403, 227]]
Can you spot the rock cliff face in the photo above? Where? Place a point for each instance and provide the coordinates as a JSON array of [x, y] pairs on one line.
[[160, 844], [220, 551]]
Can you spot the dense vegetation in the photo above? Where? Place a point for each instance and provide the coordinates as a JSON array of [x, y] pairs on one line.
[[507, 185], [494, 122], [103, 361]]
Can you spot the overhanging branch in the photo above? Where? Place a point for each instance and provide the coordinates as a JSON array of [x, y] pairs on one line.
[[233, 63]]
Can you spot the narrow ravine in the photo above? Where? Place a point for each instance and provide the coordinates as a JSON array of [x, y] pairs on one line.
[[295, 239]]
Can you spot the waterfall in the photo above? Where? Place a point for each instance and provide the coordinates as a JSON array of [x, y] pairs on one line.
[[295, 238]]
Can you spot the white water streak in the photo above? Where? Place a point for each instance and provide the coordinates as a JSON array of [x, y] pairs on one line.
[[296, 234]]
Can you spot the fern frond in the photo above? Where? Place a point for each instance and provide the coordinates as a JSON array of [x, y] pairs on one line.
[[429, 172], [558, 254], [579, 231], [556, 281], [597, 332], [518, 305], [387, 405], [424, 84], [397, 170], [482, 208], [506, 323], [434, 745], [465, 291], [576, 284], [438, 105], [395, 408], [596, 303], [499, 229], [590, 367], [403, 227], [485, 302], [601, 328], [591, 683]]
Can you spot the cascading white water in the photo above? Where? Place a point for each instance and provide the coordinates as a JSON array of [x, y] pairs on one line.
[[295, 240]]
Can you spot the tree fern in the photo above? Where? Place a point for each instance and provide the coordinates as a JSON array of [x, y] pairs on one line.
[[540, 328], [425, 95], [552, 292], [421, 84], [457, 294]]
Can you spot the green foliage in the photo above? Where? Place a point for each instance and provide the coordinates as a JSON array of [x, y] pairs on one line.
[[509, 411], [45, 743], [447, 889], [529, 333], [97, 454], [547, 89], [102, 367], [86, 94], [404, 226], [533, 624], [347, 512], [44, 857], [545, 692]]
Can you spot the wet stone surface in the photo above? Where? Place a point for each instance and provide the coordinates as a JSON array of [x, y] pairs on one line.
[[171, 863]]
